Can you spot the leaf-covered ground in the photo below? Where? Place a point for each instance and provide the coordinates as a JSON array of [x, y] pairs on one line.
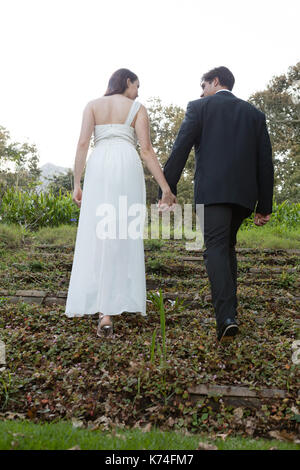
[[58, 368]]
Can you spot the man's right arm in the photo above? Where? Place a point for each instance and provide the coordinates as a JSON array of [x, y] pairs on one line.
[[265, 171]]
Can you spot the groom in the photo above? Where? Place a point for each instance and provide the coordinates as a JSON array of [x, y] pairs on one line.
[[233, 172]]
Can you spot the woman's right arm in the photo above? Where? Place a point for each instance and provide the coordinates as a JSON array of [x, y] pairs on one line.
[[87, 127], [142, 128]]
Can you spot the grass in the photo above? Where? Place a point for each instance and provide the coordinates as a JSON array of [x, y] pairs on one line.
[[269, 236], [10, 235], [273, 237], [62, 235], [26, 435]]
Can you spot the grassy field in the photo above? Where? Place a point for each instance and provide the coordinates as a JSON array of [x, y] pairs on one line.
[[269, 237], [49, 219], [26, 435]]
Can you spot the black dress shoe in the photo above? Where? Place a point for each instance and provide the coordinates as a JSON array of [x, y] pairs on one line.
[[228, 330]]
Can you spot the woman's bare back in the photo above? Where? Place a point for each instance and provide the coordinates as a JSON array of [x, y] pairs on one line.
[[112, 110]]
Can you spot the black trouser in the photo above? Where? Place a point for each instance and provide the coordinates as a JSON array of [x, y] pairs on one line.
[[221, 224]]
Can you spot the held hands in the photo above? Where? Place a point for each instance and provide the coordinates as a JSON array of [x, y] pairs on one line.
[[260, 219], [167, 202], [77, 195]]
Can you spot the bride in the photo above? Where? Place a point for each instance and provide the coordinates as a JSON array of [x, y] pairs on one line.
[[108, 272]]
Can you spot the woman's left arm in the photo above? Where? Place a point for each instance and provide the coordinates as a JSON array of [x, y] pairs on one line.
[[87, 128]]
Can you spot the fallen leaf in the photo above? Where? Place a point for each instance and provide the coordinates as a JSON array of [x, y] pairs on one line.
[[146, 428], [170, 421], [205, 446], [250, 426], [238, 413], [283, 436], [11, 415], [153, 408], [222, 436], [77, 423], [31, 413], [16, 434]]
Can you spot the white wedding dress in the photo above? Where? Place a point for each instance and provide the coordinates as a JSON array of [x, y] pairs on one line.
[[108, 275]]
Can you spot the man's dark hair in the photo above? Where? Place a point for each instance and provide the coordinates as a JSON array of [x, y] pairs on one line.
[[224, 75], [118, 81]]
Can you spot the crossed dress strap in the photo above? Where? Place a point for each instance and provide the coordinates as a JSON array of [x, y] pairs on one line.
[[132, 112]]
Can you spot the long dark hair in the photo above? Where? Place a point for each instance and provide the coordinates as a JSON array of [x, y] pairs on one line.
[[118, 81]]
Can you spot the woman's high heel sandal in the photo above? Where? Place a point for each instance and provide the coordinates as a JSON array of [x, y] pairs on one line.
[[105, 330]]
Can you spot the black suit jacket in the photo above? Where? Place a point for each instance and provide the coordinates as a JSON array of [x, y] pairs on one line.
[[233, 153]]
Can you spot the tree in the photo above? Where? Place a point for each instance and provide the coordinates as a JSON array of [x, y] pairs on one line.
[[63, 182], [18, 163], [165, 121], [281, 104]]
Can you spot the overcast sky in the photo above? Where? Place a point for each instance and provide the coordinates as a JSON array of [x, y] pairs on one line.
[[57, 55]]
